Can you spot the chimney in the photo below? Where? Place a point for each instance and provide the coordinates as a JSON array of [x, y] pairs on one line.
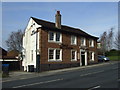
[[58, 20]]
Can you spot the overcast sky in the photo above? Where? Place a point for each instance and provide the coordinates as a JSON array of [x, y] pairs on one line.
[[92, 17]]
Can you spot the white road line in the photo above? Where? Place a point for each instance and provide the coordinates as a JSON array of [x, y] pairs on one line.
[[115, 68], [94, 87], [92, 73], [18, 79], [37, 83], [118, 80]]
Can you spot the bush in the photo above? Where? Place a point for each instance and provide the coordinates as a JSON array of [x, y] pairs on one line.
[[112, 53]]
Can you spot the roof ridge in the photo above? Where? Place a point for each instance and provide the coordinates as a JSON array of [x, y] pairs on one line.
[[54, 23], [50, 24], [42, 20]]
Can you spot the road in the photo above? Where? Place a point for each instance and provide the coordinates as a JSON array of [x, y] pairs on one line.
[[104, 76]]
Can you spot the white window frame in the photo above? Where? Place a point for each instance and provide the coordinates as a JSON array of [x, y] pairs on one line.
[[75, 40], [92, 43], [75, 55], [49, 37], [54, 37], [93, 56], [84, 44], [54, 54]]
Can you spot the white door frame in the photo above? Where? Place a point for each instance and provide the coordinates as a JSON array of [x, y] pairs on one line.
[[81, 50]]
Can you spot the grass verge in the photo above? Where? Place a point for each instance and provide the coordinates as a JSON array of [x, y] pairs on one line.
[[114, 58]]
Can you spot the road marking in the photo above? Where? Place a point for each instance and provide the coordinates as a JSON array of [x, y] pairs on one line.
[[37, 83], [92, 73], [118, 80], [18, 79], [6, 80], [115, 68], [94, 87]]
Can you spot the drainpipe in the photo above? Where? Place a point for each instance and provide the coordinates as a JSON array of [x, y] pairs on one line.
[[37, 56], [37, 62]]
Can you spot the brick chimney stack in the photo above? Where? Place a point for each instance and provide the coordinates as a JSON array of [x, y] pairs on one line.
[[58, 20]]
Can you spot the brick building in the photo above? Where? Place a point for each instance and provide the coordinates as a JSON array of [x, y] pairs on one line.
[[48, 46], [9, 58]]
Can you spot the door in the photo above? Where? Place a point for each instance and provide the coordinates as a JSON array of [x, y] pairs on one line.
[[83, 58], [38, 64]]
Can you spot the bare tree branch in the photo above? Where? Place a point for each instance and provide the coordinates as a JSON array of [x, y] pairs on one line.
[[14, 41]]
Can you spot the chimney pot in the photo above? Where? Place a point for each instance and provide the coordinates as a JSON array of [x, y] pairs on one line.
[[58, 12]]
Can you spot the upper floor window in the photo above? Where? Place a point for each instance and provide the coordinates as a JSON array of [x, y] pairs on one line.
[[91, 43], [73, 40], [58, 36], [55, 37], [83, 42], [98, 45], [51, 36]]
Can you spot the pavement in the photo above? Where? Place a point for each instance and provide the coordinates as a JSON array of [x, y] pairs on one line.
[[19, 75]]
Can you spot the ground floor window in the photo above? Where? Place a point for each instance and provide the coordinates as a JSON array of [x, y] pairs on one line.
[[54, 54], [32, 55], [73, 55], [92, 56]]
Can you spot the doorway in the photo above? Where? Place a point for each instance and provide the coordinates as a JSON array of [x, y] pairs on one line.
[[83, 58]]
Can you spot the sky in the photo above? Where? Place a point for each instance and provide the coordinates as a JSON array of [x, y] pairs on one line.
[[92, 17]]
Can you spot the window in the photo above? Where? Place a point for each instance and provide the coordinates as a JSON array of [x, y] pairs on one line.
[[55, 37], [55, 54], [91, 43], [51, 36], [98, 45], [33, 32], [83, 42], [91, 56], [73, 40], [73, 55], [51, 54], [32, 55]]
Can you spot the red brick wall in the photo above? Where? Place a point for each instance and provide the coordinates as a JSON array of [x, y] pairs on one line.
[[66, 53]]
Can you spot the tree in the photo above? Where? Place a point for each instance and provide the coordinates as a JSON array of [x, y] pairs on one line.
[[110, 39], [103, 41], [106, 40], [14, 41], [117, 41]]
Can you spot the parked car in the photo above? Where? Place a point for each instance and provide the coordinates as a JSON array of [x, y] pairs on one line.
[[103, 58]]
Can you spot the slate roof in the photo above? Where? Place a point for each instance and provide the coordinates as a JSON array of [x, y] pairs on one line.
[[51, 26]]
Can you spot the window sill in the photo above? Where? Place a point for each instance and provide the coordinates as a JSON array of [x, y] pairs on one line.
[[73, 44], [92, 60], [73, 60], [54, 60], [54, 42], [91, 46], [83, 45]]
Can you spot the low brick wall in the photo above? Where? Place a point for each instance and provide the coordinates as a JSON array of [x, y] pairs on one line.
[[47, 67]]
